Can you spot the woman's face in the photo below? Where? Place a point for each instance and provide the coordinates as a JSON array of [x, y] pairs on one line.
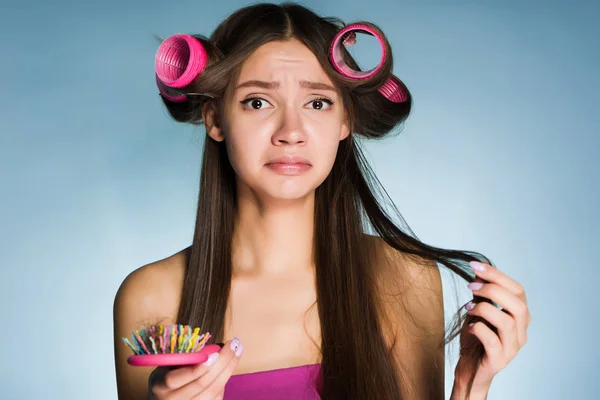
[[283, 122]]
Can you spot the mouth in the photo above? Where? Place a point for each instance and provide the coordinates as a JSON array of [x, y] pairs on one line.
[[289, 160], [289, 165]]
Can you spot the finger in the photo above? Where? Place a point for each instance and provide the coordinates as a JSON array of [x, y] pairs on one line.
[[204, 374], [175, 380], [491, 343], [218, 385], [178, 377], [220, 395], [510, 303], [505, 323], [214, 381], [494, 275]]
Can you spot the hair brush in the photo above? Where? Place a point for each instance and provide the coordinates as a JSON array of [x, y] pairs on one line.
[[169, 345]]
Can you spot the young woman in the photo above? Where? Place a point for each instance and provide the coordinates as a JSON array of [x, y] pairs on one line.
[[281, 268]]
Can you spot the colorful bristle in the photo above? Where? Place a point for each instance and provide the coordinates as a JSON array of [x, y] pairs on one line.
[[172, 338]]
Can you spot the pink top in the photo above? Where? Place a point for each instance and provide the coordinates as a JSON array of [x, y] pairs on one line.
[[286, 383]]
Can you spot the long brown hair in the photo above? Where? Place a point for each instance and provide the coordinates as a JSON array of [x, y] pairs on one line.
[[356, 362]]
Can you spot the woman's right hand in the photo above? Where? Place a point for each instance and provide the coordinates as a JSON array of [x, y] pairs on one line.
[[198, 382]]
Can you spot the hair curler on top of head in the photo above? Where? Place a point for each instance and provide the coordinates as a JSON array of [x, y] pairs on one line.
[[179, 60], [391, 89]]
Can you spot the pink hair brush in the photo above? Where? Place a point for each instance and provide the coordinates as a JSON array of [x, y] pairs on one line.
[[169, 345]]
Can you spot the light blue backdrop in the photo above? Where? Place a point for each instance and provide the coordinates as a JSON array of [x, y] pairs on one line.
[[499, 156]]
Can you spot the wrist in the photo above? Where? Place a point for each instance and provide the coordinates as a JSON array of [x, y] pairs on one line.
[[478, 391]]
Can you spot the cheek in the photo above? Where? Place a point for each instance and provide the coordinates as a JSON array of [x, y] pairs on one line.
[[328, 137], [330, 152], [243, 152], [326, 149], [235, 153]]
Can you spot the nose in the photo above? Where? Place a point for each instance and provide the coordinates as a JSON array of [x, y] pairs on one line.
[[290, 131]]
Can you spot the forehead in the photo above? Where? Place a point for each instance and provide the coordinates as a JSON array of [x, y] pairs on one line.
[[279, 57]]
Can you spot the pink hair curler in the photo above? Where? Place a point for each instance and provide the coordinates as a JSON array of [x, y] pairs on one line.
[[179, 60], [392, 89]]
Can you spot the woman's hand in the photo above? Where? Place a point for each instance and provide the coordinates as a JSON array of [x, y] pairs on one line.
[[198, 382], [511, 322]]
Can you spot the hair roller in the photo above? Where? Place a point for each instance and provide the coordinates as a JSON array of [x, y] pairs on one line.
[[392, 89], [179, 60]]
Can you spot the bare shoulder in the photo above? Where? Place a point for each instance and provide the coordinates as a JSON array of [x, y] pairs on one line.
[[153, 290], [412, 305], [405, 276], [148, 295]]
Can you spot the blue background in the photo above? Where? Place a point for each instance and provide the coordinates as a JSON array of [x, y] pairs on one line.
[[499, 156]]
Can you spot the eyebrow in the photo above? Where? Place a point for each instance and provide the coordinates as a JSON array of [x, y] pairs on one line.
[[275, 85]]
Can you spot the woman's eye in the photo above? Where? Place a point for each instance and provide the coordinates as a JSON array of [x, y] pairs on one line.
[[319, 104], [255, 102]]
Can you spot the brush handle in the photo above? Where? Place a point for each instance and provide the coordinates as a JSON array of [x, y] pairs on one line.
[[176, 359]]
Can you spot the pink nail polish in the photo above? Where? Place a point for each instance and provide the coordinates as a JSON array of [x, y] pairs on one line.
[[239, 350], [469, 306], [475, 285], [211, 359], [235, 343], [476, 265]]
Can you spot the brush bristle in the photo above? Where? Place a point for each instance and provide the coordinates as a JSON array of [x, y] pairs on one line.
[[163, 339]]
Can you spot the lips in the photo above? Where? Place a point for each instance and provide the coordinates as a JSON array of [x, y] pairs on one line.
[[289, 160]]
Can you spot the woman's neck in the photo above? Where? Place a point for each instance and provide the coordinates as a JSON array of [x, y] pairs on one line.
[[273, 239]]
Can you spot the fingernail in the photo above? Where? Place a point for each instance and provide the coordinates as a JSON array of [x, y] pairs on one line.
[[235, 343], [476, 265], [475, 285], [469, 306], [239, 350], [211, 359]]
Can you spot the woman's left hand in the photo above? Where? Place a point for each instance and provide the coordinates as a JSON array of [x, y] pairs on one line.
[[511, 322]]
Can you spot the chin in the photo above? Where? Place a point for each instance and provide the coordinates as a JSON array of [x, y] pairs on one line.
[[289, 193], [271, 187], [289, 188]]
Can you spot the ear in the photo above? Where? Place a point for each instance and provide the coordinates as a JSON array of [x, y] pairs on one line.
[[345, 131], [211, 121]]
